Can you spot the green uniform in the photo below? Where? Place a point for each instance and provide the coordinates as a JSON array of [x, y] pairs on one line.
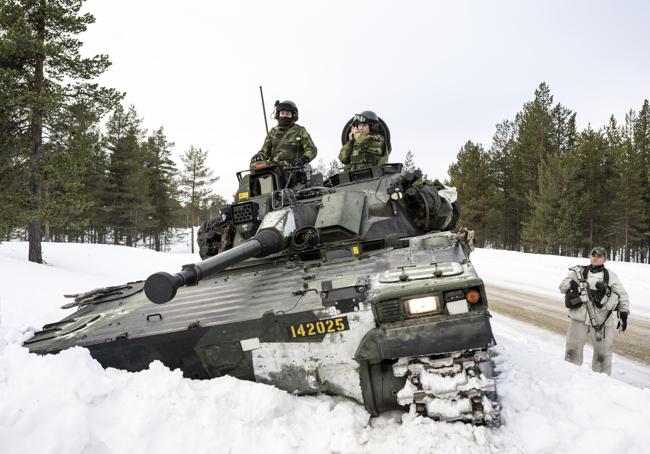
[[364, 151], [283, 144]]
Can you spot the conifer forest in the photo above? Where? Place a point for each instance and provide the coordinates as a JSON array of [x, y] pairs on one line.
[[76, 165], [543, 186]]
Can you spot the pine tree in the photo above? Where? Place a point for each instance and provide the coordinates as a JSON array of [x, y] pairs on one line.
[[626, 227], [163, 194], [504, 218], [563, 130], [470, 174], [547, 228], [128, 207], [642, 147], [333, 168], [14, 146], [70, 153], [592, 182], [533, 142], [409, 162], [540, 232], [196, 181], [39, 41], [209, 207]]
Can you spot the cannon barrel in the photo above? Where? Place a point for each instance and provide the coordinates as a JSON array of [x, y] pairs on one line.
[[161, 287]]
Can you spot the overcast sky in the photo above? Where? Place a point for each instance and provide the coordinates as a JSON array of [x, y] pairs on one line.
[[439, 73]]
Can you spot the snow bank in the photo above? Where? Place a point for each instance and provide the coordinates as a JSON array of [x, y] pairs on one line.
[[552, 406], [543, 273], [32, 294], [67, 403]]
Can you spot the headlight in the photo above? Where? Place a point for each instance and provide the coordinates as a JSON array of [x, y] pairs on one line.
[[418, 306], [472, 296]]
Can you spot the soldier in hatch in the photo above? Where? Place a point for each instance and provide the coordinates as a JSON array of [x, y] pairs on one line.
[[366, 147], [288, 143]]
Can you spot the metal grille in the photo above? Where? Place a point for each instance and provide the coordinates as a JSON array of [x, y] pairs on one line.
[[242, 213], [390, 311]]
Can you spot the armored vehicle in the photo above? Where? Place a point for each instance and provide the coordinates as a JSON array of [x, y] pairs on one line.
[[354, 286]]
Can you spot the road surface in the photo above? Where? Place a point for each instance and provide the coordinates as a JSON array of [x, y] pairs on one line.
[[549, 313]]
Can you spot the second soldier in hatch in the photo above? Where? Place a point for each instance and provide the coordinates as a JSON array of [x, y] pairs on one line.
[[366, 147], [288, 143]]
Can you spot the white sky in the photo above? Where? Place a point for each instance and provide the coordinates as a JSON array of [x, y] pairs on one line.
[[439, 73]]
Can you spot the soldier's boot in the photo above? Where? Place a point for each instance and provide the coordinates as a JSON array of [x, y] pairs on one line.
[[602, 359], [575, 342]]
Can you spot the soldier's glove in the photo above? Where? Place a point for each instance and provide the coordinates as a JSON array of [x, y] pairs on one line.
[[622, 322], [300, 161], [257, 158], [574, 286]]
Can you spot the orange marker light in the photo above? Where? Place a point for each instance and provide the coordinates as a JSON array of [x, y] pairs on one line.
[[472, 296]]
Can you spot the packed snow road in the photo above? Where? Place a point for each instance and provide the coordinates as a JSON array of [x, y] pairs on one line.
[[549, 313]]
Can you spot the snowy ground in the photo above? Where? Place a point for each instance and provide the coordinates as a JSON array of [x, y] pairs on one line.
[[67, 403]]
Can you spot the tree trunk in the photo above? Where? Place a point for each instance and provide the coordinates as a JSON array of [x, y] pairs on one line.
[[192, 236], [35, 225]]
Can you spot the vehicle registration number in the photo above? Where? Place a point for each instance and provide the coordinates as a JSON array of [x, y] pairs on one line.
[[319, 327]]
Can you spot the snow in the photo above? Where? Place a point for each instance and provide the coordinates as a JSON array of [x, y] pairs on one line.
[[67, 403], [542, 274]]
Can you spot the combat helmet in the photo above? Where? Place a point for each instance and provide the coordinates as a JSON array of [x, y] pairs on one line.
[[377, 126], [367, 116], [288, 106]]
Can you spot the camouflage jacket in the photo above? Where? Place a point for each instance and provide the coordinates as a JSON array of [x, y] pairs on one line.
[[364, 151], [285, 143]]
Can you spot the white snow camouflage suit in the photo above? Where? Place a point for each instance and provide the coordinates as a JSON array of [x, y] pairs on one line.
[[615, 298]]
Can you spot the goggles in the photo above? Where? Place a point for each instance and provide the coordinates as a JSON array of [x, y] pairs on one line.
[[359, 119]]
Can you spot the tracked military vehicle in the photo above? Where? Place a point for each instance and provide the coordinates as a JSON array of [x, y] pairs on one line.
[[354, 286]]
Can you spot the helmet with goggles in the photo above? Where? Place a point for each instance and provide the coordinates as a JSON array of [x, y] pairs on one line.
[[365, 117]]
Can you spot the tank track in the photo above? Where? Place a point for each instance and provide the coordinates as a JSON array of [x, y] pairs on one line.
[[459, 387]]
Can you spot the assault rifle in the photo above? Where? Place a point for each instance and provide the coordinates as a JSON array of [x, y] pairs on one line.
[[584, 293]]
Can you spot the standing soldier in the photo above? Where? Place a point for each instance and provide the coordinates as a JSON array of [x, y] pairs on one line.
[[365, 147], [605, 291], [287, 143]]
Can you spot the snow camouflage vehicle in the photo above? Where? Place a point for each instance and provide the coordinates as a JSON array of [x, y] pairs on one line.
[[353, 286]]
